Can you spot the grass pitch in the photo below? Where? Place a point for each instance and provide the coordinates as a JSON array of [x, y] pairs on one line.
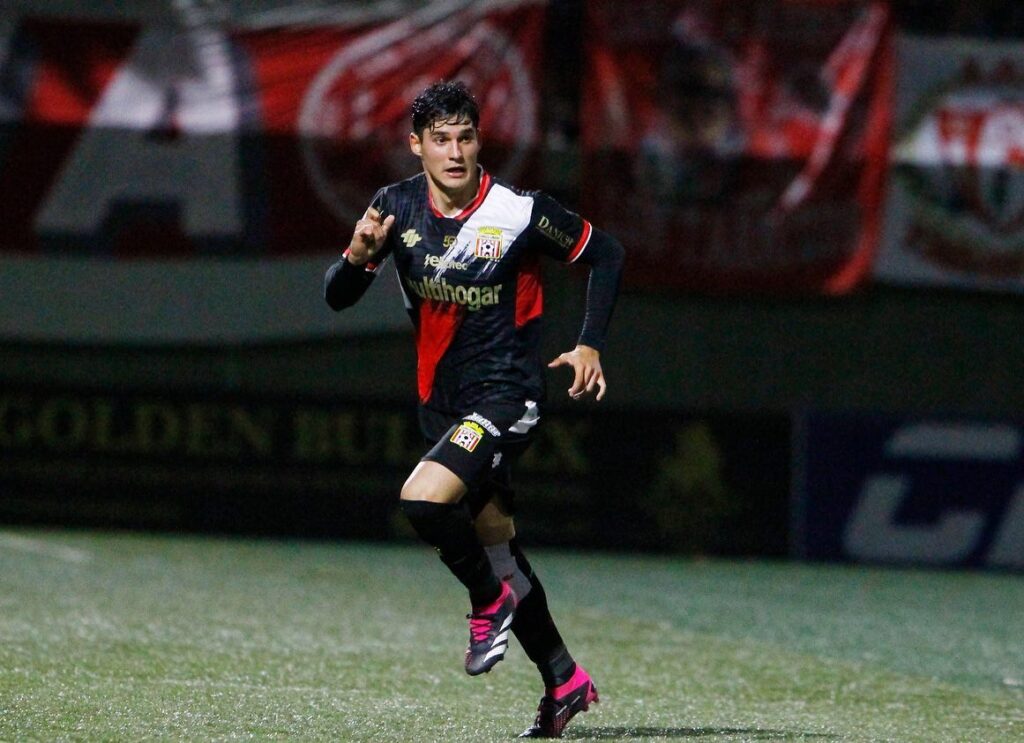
[[129, 637]]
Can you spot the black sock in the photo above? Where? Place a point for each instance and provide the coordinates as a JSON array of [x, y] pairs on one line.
[[447, 528], [536, 630]]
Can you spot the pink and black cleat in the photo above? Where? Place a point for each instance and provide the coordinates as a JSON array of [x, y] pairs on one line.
[[561, 704], [488, 632]]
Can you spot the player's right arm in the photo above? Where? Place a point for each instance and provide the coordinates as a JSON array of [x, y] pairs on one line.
[[348, 279], [369, 237]]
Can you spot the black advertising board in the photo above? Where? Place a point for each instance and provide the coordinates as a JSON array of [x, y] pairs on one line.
[[233, 463]]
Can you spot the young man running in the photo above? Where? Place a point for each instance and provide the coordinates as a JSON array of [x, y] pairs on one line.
[[467, 249]]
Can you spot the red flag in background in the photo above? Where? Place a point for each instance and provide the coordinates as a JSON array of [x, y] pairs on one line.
[[240, 141], [739, 146], [150, 172], [349, 100]]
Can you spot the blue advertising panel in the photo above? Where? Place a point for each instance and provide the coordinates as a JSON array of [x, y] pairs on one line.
[[915, 491]]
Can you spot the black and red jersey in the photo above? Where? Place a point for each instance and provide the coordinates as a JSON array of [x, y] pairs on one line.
[[472, 286]]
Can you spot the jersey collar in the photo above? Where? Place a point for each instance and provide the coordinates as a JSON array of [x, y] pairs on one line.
[[472, 206]]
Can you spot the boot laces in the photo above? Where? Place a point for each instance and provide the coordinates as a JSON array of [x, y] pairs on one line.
[[480, 626]]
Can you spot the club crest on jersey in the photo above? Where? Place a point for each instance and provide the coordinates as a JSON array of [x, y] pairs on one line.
[[489, 243], [467, 435], [449, 240]]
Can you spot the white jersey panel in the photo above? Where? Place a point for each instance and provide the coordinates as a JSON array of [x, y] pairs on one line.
[[499, 221]]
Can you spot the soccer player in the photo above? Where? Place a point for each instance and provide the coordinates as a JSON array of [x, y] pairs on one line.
[[467, 250]]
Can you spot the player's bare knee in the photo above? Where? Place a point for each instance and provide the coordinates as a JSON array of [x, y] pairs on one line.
[[414, 490], [426, 491], [433, 483]]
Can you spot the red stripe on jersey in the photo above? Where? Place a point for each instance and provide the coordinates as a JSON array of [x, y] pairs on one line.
[[481, 194], [529, 292], [463, 214], [581, 243], [434, 209], [438, 323]]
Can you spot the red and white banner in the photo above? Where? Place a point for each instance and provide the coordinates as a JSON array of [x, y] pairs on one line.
[[955, 215], [739, 146], [190, 183]]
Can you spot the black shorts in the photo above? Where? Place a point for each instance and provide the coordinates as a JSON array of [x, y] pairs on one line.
[[481, 445]]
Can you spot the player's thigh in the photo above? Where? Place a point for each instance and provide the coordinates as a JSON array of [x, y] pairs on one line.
[[470, 446], [477, 449], [433, 482]]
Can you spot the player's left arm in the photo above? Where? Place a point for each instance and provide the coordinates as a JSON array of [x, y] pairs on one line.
[[565, 235], [605, 256]]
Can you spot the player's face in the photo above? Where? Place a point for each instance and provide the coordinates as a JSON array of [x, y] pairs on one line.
[[449, 152]]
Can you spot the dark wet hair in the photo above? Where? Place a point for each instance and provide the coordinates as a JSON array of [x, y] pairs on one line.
[[447, 101]]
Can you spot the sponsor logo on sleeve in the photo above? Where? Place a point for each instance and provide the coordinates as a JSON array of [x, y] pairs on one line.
[[552, 232]]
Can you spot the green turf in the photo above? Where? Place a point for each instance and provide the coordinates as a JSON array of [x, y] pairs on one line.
[[129, 637]]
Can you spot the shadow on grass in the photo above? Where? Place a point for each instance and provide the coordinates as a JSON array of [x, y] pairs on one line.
[[603, 733]]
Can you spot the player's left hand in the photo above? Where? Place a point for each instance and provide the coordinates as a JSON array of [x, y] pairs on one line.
[[586, 365]]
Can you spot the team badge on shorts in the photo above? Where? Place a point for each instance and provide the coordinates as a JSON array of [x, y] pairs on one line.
[[467, 435], [488, 243]]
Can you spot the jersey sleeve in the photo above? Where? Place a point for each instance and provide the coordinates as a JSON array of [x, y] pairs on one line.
[[566, 236], [605, 256], [557, 232], [344, 283]]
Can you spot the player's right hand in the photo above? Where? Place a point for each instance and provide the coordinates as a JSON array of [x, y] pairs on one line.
[[369, 236]]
